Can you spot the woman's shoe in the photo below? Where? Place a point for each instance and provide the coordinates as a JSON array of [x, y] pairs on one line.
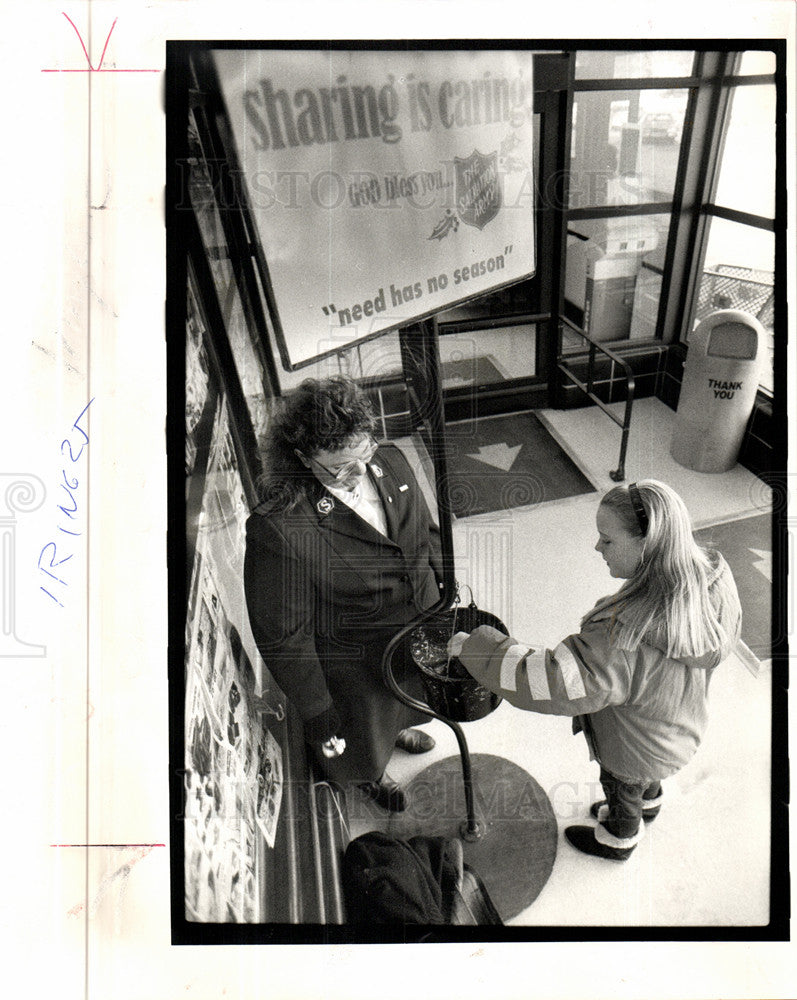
[[414, 741], [386, 793]]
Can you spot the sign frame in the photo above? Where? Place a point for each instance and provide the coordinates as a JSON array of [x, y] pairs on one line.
[[262, 266]]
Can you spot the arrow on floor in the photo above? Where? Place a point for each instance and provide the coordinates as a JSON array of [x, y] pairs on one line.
[[764, 563], [500, 456]]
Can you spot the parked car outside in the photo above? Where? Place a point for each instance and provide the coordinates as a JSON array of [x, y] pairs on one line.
[[661, 126]]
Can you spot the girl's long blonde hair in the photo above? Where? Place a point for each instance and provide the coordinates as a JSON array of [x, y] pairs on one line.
[[675, 597]]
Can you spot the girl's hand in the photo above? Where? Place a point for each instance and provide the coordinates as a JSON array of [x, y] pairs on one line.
[[455, 643], [488, 632]]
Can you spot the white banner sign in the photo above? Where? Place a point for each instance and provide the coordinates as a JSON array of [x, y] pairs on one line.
[[384, 185]]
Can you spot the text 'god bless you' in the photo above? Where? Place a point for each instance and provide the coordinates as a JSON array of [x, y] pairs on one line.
[[346, 112]]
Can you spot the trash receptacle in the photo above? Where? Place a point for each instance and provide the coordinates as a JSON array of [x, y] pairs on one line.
[[718, 391]]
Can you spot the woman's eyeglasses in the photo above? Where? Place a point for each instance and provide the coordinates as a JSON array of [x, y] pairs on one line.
[[343, 471]]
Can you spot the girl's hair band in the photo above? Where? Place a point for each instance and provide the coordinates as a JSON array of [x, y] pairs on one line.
[[639, 508]]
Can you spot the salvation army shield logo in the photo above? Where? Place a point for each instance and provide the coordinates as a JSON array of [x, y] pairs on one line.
[[477, 188]]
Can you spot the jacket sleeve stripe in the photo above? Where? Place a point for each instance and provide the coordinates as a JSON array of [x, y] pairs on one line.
[[536, 676], [509, 662], [571, 675]]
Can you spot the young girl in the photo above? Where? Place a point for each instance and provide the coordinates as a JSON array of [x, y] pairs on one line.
[[636, 676]]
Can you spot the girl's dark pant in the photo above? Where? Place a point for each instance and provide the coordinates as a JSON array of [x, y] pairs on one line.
[[625, 803]]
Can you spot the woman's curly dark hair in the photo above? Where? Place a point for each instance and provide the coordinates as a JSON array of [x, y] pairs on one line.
[[319, 415]]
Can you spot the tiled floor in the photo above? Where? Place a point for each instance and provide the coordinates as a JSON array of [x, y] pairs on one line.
[[705, 861]]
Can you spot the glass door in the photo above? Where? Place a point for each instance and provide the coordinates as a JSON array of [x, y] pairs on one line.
[[496, 351]]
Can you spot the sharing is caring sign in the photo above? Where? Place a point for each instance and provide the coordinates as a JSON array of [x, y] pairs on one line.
[[384, 185]]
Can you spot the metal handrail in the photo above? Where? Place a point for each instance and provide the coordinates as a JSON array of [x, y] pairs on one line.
[[617, 474]]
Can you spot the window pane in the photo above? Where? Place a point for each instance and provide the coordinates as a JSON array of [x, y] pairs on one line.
[[625, 146], [618, 65], [481, 357], [374, 358], [613, 275], [197, 379], [247, 362], [754, 63], [739, 274], [747, 173]]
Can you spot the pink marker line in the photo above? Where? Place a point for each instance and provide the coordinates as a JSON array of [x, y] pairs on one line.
[[100, 71], [99, 68]]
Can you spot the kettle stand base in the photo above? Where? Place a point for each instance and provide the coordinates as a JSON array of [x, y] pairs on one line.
[[515, 852]]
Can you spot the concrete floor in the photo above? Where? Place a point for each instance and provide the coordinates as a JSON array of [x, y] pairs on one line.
[[705, 861]]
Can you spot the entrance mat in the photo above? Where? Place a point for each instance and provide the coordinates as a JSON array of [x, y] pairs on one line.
[[747, 547], [498, 463], [461, 372]]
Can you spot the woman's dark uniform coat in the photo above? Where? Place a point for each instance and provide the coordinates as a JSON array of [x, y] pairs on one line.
[[326, 592]]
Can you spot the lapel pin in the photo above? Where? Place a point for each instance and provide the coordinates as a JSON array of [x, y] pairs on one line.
[[403, 487], [377, 471], [324, 505]]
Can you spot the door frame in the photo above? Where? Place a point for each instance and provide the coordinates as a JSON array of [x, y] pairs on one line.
[[553, 78]]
